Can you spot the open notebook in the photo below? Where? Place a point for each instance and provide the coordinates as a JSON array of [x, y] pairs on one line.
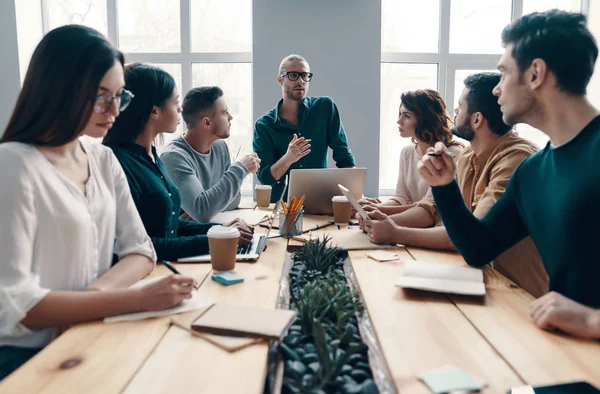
[[185, 305], [442, 278]]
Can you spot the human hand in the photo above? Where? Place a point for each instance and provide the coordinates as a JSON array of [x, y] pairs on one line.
[[554, 311], [369, 200], [380, 231], [251, 161], [297, 149], [246, 231], [437, 166], [166, 293]]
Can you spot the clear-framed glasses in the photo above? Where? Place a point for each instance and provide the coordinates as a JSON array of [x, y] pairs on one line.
[[104, 101], [294, 75]]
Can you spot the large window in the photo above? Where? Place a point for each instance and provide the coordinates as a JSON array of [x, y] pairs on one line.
[[199, 42], [437, 44]]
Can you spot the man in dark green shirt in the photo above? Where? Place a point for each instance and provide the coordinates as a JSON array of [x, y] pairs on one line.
[[554, 194], [298, 131]]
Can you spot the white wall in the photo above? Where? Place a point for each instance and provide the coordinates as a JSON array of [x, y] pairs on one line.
[[9, 62], [594, 26], [341, 39]]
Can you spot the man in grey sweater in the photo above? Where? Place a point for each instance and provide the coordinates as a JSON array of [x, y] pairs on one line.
[[199, 162]]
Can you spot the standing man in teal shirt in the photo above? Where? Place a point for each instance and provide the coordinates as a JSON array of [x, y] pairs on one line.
[[298, 131]]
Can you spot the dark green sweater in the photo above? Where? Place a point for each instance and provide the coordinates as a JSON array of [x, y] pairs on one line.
[[319, 121], [158, 202], [553, 196]]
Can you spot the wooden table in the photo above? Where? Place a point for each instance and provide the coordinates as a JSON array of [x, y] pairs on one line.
[[493, 338]]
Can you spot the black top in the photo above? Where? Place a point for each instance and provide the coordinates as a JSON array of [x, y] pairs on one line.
[[553, 196], [158, 202]]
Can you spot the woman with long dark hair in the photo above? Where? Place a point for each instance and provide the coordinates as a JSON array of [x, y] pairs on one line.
[[156, 110], [423, 118], [65, 206]]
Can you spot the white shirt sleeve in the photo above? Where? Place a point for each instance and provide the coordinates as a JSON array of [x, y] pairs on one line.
[[131, 236], [19, 286]]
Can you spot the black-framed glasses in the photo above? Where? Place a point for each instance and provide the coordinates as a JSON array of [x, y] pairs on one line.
[[294, 75], [104, 101]]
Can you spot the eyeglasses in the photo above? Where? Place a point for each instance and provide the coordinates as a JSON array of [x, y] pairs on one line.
[[104, 101], [294, 75]]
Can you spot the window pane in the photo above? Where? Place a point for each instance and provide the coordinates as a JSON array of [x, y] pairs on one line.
[[532, 134], [221, 25], [29, 31], [475, 26], [410, 26], [395, 79], [149, 26], [90, 13], [236, 81], [175, 70], [530, 6]]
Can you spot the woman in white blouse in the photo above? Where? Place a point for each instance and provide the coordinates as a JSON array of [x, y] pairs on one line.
[[422, 118], [65, 206]]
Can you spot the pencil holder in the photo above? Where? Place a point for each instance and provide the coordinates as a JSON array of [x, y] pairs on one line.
[[290, 224]]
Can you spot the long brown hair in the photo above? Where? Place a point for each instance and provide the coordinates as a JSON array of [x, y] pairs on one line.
[[60, 86], [433, 122]]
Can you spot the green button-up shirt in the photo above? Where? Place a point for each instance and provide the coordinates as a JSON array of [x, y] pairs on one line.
[[319, 121]]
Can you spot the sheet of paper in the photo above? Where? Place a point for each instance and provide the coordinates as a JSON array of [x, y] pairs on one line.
[[186, 305], [422, 269], [382, 255], [450, 379]]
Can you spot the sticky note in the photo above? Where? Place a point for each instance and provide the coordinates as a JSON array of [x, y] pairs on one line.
[[450, 379], [227, 278]]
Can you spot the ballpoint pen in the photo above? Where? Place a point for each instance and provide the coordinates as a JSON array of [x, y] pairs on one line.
[[174, 270]]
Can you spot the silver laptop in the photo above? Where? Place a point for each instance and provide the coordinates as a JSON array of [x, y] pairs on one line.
[[319, 185]]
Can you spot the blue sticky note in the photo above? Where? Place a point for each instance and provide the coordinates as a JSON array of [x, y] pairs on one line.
[[443, 381], [227, 278]]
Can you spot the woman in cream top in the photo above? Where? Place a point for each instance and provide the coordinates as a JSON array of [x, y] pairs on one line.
[[422, 118], [65, 206]]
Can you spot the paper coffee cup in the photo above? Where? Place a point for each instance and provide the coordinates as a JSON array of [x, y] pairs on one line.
[[223, 244], [263, 195], [342, 210]]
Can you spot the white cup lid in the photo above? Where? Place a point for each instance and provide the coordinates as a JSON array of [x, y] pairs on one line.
[[262, 187], [339, 199], [223, 232]]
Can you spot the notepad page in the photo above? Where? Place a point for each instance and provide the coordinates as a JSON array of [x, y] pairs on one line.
[[186, 305]]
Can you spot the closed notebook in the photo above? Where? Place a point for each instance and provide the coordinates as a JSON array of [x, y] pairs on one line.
[[442, 278], [244, 321], [353, 240]]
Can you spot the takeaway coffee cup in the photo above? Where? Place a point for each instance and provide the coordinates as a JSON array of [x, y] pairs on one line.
[[263, 195], [342, 210], [223, 244]]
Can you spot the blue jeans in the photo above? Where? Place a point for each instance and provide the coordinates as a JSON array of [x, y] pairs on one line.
[[12, 357]]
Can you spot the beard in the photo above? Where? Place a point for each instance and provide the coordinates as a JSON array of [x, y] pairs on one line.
[[463, 131], [295, 95]]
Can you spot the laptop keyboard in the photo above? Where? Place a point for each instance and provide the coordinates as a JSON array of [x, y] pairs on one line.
[[247, 249]]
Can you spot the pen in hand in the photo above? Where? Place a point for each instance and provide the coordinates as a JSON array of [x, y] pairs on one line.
[[174, 270]]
